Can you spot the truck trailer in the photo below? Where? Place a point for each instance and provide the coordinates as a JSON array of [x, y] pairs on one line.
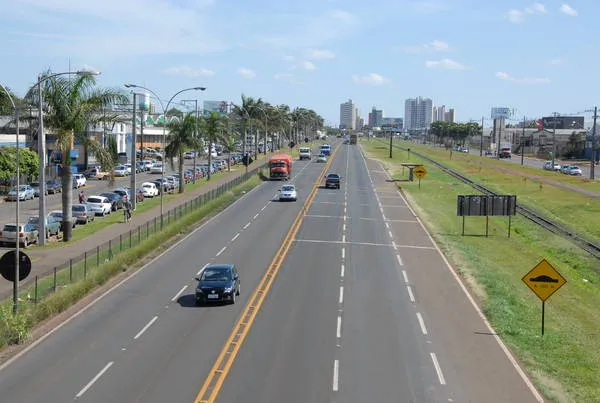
[[280, 167]]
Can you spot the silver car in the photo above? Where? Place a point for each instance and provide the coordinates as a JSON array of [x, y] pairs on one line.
[[25, 192], [82, 213], [26, 232]]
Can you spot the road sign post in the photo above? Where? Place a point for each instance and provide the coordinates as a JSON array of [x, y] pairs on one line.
[[544, 280], [420, 172]]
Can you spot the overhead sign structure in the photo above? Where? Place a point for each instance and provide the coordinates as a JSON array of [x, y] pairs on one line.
[[500, 113], [544, 280]]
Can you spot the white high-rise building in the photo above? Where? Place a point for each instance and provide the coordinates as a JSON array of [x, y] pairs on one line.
[[418, 113], [348, 115]]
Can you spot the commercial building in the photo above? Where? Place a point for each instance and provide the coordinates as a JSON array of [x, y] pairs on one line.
[[418, 113], [440, 114], [375, 117], [348, 113]]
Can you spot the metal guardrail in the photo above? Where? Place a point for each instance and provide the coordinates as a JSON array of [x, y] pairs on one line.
[[546, 223]]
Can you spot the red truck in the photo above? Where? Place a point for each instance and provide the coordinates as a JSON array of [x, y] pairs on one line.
[[280, 167]]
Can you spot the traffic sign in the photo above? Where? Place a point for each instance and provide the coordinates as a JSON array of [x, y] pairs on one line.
[[7, 265], [544, 280], [420, 171]]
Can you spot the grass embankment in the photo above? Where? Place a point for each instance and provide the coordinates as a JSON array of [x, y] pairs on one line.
[[565, 362], [15, 328]]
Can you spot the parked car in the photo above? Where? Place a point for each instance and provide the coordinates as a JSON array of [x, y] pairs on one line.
[[79, 180], [157, 169], [115, 199], [24, 192], [574, 170], [53, 186], [548, 166], [288, 192], [25, 233], [52, 225], [189, 155], [565, 169], [149, 189], [139, 194], [218, 283], [99, 205], [82, 213], [147, 164], [36, 188], [121, 170], [96, 173], [58, 215]]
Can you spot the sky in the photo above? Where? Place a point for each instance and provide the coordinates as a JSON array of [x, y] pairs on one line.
[[534, 57]]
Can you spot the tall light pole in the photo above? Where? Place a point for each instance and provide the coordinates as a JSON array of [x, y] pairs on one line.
[[554, 138], [593, 146], [42, 146], [523, 143], [164, 136], [17, 212], [132, 184]]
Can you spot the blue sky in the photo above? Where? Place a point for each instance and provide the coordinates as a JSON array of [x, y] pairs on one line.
[[535, 57]]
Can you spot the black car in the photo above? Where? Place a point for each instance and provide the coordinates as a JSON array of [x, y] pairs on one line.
[[115, 200], [332, 181], [53, 186], [218, 283]]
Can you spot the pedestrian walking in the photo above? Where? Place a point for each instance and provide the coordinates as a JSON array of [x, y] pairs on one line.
[[82, 197], [127, 210]]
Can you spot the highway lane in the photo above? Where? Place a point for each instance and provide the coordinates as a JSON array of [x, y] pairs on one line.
[[365, 309], [117, 351]]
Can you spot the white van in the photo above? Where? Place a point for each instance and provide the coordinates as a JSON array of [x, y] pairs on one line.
[[305, 153]]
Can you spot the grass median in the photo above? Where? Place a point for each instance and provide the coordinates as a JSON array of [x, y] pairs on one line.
[[77, 281], [565, 362]]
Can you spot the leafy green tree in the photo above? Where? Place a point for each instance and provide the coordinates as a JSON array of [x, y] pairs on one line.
[[212, 127], [29, 162], [181, 139], [229, 141]]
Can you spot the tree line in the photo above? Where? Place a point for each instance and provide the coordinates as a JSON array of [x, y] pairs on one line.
[[454, 132]]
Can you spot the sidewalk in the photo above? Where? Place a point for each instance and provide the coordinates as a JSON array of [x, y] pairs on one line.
[[45, 260]]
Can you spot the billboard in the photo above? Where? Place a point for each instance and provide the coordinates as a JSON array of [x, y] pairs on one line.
[[484, 205], [563, 122], [500, 113]]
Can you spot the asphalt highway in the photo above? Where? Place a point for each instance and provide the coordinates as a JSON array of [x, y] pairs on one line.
[[363, 309]]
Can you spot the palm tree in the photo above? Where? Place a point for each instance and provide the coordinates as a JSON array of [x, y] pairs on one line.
[[72, 104], [213, 129], [229, 142], [181, 138], [246, 113]]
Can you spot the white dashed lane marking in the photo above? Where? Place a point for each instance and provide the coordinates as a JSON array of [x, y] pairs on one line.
[[179, 293], [221, 251], [235, 237], [246, 226], [94, 379], [141, 332], [422, 323]]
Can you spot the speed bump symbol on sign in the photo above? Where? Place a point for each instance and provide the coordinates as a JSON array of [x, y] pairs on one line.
[[544, 280], [420, 171]]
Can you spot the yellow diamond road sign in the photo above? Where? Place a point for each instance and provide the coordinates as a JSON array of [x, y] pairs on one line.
[[420, 171], [544, 280]]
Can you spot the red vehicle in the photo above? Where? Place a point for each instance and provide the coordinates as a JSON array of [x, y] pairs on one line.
[[280, 167]]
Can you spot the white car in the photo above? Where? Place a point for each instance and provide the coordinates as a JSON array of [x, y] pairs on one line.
[[574, 170], [157, 169], [121, 170], [305, 153], [189, 155], [288, 192], [149, 189], [25, 192], [548, 166], [99, 205], [79, 180], [128, 166]]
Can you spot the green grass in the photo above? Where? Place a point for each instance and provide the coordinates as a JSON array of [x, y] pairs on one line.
[[565, 363], [73, 283]]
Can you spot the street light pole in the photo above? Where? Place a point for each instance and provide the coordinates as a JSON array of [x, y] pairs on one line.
[[481, 141], [133, 193], [593, 153], [554, 138], [522, 143], [17, 207], [42, 147]]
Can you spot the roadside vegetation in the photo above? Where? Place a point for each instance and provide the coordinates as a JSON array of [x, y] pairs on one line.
[[565, 362]]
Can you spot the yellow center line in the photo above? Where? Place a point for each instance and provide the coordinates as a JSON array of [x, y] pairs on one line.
[[219, 371]]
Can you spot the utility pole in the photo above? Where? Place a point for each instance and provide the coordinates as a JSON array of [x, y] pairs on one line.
[[523, 142], [391, 139], [593, 154], [481, 141], [133, 193], [554, 138]]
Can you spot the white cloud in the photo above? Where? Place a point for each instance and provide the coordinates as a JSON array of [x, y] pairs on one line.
[[445, 64], [537, 8], [565, 8], [320, 54], [371, 79], [523, 80], [517, 16], [432, 47], [188, 71], [306, 65], [556, 62], [343, 16], [246, 73]]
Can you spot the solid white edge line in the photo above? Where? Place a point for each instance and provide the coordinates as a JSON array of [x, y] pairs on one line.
[[120, 283], [336, 370], [342, 271], [400, 262], [235, 237], [421, 323], [247, 225], [94, 379], [411, 296], [438, 369], [339, 327], [492, 331], [405, 276], [141, 332], [341, 299], [179, 293], [221, 251]]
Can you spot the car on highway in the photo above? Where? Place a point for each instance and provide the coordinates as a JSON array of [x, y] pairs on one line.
[[574, 170], [53, 186], [218, 283], [115, 199], [288, 193], [96, 173], [188, 155], [58, 216], [99, 205], [52, 224], [565, 169], [149, 189], [321, 158], [548, 166], [157, 169], [26, 234], [82, 213], [304, 153], [24, 192], [79, 180], [121, 170], [332, 181]]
